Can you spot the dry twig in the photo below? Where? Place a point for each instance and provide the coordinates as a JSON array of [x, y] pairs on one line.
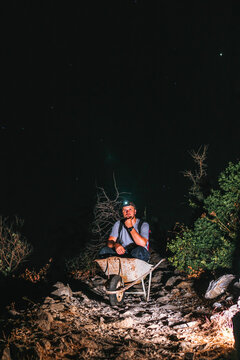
[[198, 175], [13, 246], [106, 213]]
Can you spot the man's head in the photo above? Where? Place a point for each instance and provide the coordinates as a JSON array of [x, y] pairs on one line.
[[128, 209]]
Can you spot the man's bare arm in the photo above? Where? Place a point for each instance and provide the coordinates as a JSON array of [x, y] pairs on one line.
[[138, 239], [114, 245], [111, 241]]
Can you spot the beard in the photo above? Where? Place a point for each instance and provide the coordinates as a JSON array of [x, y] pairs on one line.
[[128, 217]]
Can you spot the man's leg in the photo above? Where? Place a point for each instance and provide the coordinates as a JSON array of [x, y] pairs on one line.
[[107, 251], [141, 253]]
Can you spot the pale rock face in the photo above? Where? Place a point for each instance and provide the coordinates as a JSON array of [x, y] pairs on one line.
[[218, 286]]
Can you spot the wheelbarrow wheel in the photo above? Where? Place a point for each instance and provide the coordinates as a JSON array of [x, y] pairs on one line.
[[115, 283]]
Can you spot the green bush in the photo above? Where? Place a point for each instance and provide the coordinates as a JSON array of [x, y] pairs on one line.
[[211, 242]]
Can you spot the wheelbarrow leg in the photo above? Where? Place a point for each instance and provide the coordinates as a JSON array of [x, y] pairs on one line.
[[144, 289], [149, 285]]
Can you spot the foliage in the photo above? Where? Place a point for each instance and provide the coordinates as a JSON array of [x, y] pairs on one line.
[[212, 241], [80, 267], [13, 246], [36, 276]]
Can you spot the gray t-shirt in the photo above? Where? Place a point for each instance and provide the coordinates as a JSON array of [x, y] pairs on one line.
[[125, 238]]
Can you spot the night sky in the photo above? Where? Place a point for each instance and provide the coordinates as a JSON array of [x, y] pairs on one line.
[[129, 87]]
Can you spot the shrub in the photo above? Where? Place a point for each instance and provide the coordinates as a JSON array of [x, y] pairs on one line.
[[36, 276], [106, 213], [80, 267], [13, 246], [212, 241]]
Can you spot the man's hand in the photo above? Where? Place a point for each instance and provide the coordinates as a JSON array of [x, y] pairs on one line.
[[119, 249], [128, 222]]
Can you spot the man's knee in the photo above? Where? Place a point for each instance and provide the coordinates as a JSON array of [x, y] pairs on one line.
[[106, 250], [141, 253]]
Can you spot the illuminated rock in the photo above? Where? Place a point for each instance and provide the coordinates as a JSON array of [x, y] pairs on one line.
[[219, 286]]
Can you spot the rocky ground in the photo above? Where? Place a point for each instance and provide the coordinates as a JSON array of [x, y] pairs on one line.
[[79, 323]]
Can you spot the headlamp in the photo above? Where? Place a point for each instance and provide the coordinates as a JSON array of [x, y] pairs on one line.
[[128, 203]]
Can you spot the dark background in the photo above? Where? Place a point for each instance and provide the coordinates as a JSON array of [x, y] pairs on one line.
[[101, 87]]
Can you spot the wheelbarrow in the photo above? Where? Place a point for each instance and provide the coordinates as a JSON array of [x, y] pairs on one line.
[[125, 273]]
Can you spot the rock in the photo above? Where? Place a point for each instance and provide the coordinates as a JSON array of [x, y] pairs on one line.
[[57, 307], [217, 305], [43, 315], [160, 339], [58, 285], [120, 324], [187, 295], [218, 286], [170, 307], [126, 355], [153, 326], [88, 343], [43, 325], [237, 284], [125, 323], [173, 321], [62, 290], [163, 299], [73, 309], [45, 344], [180, 326], [192, 324], [185, 285], [172, 280], [175, 292], [127, 313], [48, 300], [157, 276]]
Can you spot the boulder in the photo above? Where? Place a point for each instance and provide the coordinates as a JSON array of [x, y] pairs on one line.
[[62, 290], [219, 286]]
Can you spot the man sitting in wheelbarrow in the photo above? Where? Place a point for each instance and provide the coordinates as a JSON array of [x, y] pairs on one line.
[[129, 237]]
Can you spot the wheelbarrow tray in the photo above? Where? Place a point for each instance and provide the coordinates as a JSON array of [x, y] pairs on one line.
[[130, 269]]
